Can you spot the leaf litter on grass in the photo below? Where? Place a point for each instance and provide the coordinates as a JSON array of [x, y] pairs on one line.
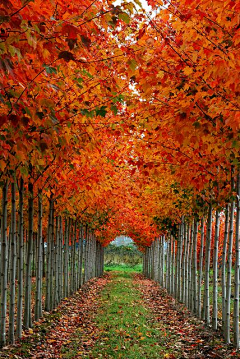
[[52, 336], [185, 334], [113, 318]]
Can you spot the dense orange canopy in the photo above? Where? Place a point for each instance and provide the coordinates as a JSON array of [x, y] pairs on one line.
[[130, 119]]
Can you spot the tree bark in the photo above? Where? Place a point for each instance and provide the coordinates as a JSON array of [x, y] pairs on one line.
[[207, 266], [229, 274], [194, 267], [215, 272], [237, 270], [4, 264], [27, 321], [13, 266], [39, 262], [223, 274], [200, 272], [20, 261]]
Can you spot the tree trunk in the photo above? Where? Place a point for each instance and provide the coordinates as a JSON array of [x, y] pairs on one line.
[[27, 321], [180, 260], [207, 266], [13, 266], [65, 259], [229, 273], [224, 255], [215, 272], [52, 262], [173, 266], [20, 261], [4, 264], [81, 256], [194, 267], [39, 263], [190, 268], [61, 264], [200, 273], [237, 270], [187, 266], [184, 263], [48, 259]]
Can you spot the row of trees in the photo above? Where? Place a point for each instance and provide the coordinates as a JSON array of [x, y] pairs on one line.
[[40, 266], [124, 120], [181, 263]]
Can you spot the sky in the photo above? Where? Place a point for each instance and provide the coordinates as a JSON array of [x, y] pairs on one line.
[[144, 4]]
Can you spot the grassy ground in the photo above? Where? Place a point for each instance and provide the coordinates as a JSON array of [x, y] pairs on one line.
[[123, 327], [121, 315], [123, 268], [126, 327]]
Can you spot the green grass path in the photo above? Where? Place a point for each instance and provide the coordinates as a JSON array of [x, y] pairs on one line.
[[125, 325]]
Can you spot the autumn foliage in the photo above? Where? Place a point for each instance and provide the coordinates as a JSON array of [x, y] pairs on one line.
[[128, 118]]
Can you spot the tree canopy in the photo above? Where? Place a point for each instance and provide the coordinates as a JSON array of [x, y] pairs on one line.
[[128, 119]]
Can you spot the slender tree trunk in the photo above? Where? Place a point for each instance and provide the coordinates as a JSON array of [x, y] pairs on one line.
[[224, 255], [39, 263], [93, 269], [74, 258], [190, 269], [237, 270], [173, 266], [27, 321], [4, 264], [84, 253], [78, 257], [160, 262], [65, 291], [48, 257], [187, 267], [184, 263], [177, 265], [81, 256], [44, 258], [167, 264], [58, 262], [207, 266], [156, 259], [200, 273], [55, 265], [229, 274], [69, 238], [180, 260], [13, 266], [163, 261], [215, 272], [9, 254], [61, 264], [194, 266], [34, 255], [20, 261], [52, 246]]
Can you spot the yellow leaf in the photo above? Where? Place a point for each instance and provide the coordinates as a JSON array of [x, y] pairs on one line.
[[188, 70], [2, 165]]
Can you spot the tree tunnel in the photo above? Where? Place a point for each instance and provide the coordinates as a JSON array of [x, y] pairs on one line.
[[117, 120]]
